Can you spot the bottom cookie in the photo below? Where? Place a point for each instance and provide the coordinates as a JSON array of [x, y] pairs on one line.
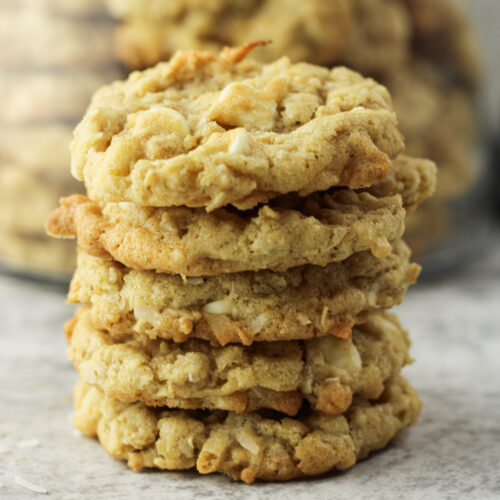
[[247, 446]]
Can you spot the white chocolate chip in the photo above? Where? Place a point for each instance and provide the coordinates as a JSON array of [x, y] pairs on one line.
[[145, 313], [112, 275], [240, 144], [224, 306], [177, 256], [248, 442], [258, 323], [125, 205]]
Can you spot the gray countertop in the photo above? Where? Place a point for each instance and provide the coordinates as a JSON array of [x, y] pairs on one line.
[[453, 452]]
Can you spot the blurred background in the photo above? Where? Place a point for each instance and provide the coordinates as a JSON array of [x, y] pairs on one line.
[[437, 57]]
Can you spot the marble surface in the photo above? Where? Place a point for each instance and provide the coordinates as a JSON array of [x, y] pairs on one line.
[[453, 452]]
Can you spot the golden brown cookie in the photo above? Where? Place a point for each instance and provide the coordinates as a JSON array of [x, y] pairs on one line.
[[212, 130], [278, 375], [192, 242], [414, 179], [313, 31], [245, 446], [303, 302]]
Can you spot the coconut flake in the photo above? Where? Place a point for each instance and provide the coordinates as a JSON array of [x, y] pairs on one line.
[[248, 443], [240, 144], [224, 306], [145, 313]]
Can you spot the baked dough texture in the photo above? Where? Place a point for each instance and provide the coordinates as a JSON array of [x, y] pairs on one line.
[[303, 302], [388, 40], [245, 446], [205, 130], [278, 375], [195, 243]]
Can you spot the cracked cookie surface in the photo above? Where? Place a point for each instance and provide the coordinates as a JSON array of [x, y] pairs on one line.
[[245, 446], [303, 302], [205, 130], [195, 243], [326, 371]]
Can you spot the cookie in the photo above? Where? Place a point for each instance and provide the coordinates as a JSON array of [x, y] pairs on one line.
[[414, 179], [438, 121], [36, 253], [26, 198], [245, 446], [277, 375], [212, 130], [303, 302], [192, 242], [379, 37], [428, 227], [45, 96], [313, 31], [33, 39], [37, 147], [443, 33]]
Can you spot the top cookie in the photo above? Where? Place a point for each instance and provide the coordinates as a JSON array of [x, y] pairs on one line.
[[212, 130]]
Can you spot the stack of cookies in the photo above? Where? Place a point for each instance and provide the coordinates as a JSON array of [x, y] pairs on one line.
[[424, 51], [53, 55], [238, 248]]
